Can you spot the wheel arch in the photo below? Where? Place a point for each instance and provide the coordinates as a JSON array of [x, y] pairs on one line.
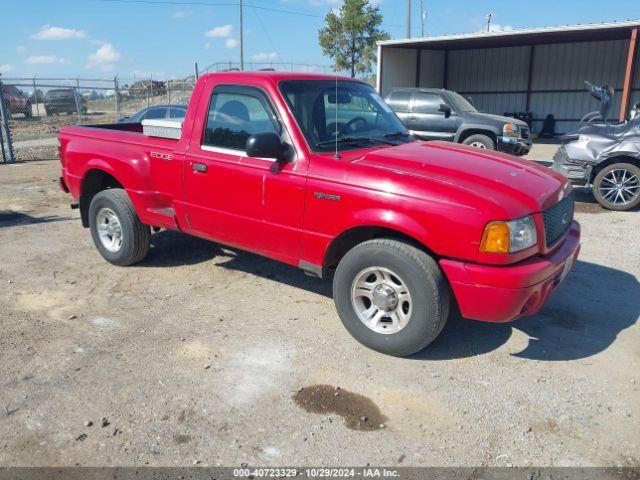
[[93, 181], [633, 160], [466, 130], [353, 236]]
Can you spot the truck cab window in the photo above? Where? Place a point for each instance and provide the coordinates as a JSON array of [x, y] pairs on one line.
[[427, 103], [399, 100], [233, 117]]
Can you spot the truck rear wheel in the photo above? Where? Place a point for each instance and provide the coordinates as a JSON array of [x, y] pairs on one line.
[[116, 230], [391, 296], [617, 186], [480, 141]]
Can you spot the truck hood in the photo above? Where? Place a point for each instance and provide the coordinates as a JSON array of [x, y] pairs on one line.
[[499, 120], [507, 186]]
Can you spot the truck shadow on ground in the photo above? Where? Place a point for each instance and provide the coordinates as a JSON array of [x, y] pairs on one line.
[[171, 249], [9, 218], [582, 318]]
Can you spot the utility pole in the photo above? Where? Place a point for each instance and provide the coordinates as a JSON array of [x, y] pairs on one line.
[[489, 15], [408, 18], [423, 17], [241, 40]]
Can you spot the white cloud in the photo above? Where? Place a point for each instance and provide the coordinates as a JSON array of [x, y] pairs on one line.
[[264, 56], [49, 32], [45, 59], [231, 43], [182, 14], [4, 68], [207, 46], [317, 3], [105, 57], [21, 48], [220, 32], [496, 27]]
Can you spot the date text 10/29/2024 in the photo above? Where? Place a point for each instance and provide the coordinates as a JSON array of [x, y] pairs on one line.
[[368, 472]]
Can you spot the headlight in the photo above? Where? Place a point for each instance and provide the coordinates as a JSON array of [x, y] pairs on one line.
[[510, 130], [584, 138], [509, 237]]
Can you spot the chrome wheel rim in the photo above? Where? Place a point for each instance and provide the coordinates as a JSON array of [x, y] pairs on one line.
[[620, 187], [478, 145], [381, 300], [109, 229]]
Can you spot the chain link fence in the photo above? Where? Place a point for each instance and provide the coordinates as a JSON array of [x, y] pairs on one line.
[[36, 108]]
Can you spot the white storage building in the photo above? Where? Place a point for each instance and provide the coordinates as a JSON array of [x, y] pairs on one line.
[[540, 71]]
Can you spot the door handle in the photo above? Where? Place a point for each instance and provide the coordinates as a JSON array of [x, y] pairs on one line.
[[413, 117], [198, 167]]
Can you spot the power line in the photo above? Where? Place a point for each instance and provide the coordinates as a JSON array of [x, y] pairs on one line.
[[227, 4]]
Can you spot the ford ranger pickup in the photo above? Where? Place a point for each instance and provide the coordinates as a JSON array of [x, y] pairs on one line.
[[318, 172]]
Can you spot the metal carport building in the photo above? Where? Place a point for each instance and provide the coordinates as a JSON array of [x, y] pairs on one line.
[[536, 70]]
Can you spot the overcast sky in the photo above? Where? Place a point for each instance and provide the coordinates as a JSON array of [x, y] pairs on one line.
[[102, 38]]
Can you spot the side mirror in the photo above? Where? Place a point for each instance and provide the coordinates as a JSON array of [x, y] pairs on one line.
[[446, 109], [265, 145]]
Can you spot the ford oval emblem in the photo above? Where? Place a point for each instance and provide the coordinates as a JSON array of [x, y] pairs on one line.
[[565, 218]]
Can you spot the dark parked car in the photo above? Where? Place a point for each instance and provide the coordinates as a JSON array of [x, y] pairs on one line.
[[157, 111], [438, 114], [63, 100], [16, 101]]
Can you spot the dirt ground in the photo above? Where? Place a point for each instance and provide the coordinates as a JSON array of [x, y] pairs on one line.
[[211, 355]]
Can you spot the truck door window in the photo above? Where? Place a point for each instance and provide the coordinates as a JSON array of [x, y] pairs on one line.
[[398, 100], [426, 103], [233, 117]]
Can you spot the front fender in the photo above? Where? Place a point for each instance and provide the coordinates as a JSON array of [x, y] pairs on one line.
[[466, 126]]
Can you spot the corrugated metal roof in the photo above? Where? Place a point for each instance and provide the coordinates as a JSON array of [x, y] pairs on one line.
[[511, 34]]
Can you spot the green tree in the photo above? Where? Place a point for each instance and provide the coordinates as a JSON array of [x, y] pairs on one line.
[[349, 36]]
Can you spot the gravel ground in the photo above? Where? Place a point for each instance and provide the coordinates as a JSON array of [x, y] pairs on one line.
[[211, 355]]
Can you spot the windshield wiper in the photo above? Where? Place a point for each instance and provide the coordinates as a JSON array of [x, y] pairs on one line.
[[346, 139], [397, 135]]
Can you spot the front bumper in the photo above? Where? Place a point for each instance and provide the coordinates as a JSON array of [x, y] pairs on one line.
[[577, 172], [504, 293], [514, 145]]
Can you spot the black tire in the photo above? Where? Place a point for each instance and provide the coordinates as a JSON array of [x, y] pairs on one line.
[[478, 139], [600, 183], [28, 112], [136, 237], [430, 295]]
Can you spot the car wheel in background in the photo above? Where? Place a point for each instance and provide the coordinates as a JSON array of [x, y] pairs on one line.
[[480, 141], [118, 233], [617, 187], [391, 296], [28, 111]]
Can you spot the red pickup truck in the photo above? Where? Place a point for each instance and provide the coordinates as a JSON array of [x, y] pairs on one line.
[[318, 172]]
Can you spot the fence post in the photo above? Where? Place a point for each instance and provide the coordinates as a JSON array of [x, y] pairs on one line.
[[197, 74], [5, 123], [115, 89], [169, 91], [75, 97], [35, 97]]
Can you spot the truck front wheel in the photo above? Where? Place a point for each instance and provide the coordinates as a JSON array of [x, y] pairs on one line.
[[391, 296], [480, 141], [116, 230]]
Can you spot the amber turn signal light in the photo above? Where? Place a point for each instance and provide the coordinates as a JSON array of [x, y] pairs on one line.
[[495, 238]]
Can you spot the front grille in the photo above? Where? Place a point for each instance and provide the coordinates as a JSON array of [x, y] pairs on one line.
[[557, 220], [524, 132]]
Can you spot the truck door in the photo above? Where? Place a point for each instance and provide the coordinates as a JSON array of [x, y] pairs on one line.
[[428, 121], [252, 203]]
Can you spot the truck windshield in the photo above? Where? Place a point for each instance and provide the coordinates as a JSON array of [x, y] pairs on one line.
[[348, 114], [460, 104]]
